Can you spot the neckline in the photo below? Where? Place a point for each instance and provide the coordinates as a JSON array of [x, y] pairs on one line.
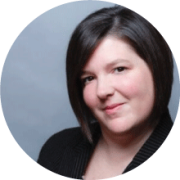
[[85, 149], [150, 146]]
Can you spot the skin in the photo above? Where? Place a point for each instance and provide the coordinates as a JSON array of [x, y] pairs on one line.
[[119, 90]]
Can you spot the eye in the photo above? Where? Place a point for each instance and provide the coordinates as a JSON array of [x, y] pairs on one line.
[[87, 80], [119, 69]]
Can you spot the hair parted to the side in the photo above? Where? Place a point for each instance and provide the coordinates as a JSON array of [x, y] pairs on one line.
[[125, 24]]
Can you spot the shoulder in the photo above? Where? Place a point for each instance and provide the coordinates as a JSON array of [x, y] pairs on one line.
[[55, 146], [65, 136]]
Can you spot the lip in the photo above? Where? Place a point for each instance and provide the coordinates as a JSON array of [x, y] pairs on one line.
[[113, 108]]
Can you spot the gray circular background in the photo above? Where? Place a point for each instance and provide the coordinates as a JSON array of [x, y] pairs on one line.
[[33, 86]]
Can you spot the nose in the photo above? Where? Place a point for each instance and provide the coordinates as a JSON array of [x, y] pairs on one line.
[[104, 88]]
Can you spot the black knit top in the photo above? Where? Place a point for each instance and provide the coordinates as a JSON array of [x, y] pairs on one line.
[[68, 152]]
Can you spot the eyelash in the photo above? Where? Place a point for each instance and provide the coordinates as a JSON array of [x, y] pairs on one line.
[[90, 78], [87, 79], [119, 69]]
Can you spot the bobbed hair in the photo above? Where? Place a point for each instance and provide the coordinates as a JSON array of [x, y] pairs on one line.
[[147, 42]]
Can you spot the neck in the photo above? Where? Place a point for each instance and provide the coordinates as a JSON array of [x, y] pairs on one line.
[[127, 143]]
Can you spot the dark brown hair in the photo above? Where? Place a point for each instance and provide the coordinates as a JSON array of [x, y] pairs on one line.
[[148, 43]]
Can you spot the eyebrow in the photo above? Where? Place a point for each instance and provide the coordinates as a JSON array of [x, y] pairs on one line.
[[116, 61], [108, 65]]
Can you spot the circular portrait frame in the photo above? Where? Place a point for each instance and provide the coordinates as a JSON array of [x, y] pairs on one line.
[[16, 123]]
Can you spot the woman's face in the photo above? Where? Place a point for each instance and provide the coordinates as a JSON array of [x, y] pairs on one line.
[[118, 86]]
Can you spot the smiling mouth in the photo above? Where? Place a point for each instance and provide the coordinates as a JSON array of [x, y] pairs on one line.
[[112, 108]]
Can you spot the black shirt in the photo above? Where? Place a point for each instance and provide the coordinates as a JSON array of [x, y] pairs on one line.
[[68, 152]]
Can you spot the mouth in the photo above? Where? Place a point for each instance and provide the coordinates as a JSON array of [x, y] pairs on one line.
[[111, 109]]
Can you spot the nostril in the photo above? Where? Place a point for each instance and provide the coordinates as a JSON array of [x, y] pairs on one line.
[[105, 91]]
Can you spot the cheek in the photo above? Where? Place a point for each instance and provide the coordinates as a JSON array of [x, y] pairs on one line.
[[140, 94], [89, 96], [130, 87], [139, 86]]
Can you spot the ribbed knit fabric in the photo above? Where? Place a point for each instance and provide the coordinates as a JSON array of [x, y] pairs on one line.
[[68, 152]]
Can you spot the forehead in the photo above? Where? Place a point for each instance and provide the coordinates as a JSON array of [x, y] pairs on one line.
[[112, 50]]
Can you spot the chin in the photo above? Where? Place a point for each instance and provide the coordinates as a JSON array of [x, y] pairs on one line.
[[120, 126]]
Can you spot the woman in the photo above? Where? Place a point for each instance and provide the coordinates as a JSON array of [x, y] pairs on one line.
[[119, 77]]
